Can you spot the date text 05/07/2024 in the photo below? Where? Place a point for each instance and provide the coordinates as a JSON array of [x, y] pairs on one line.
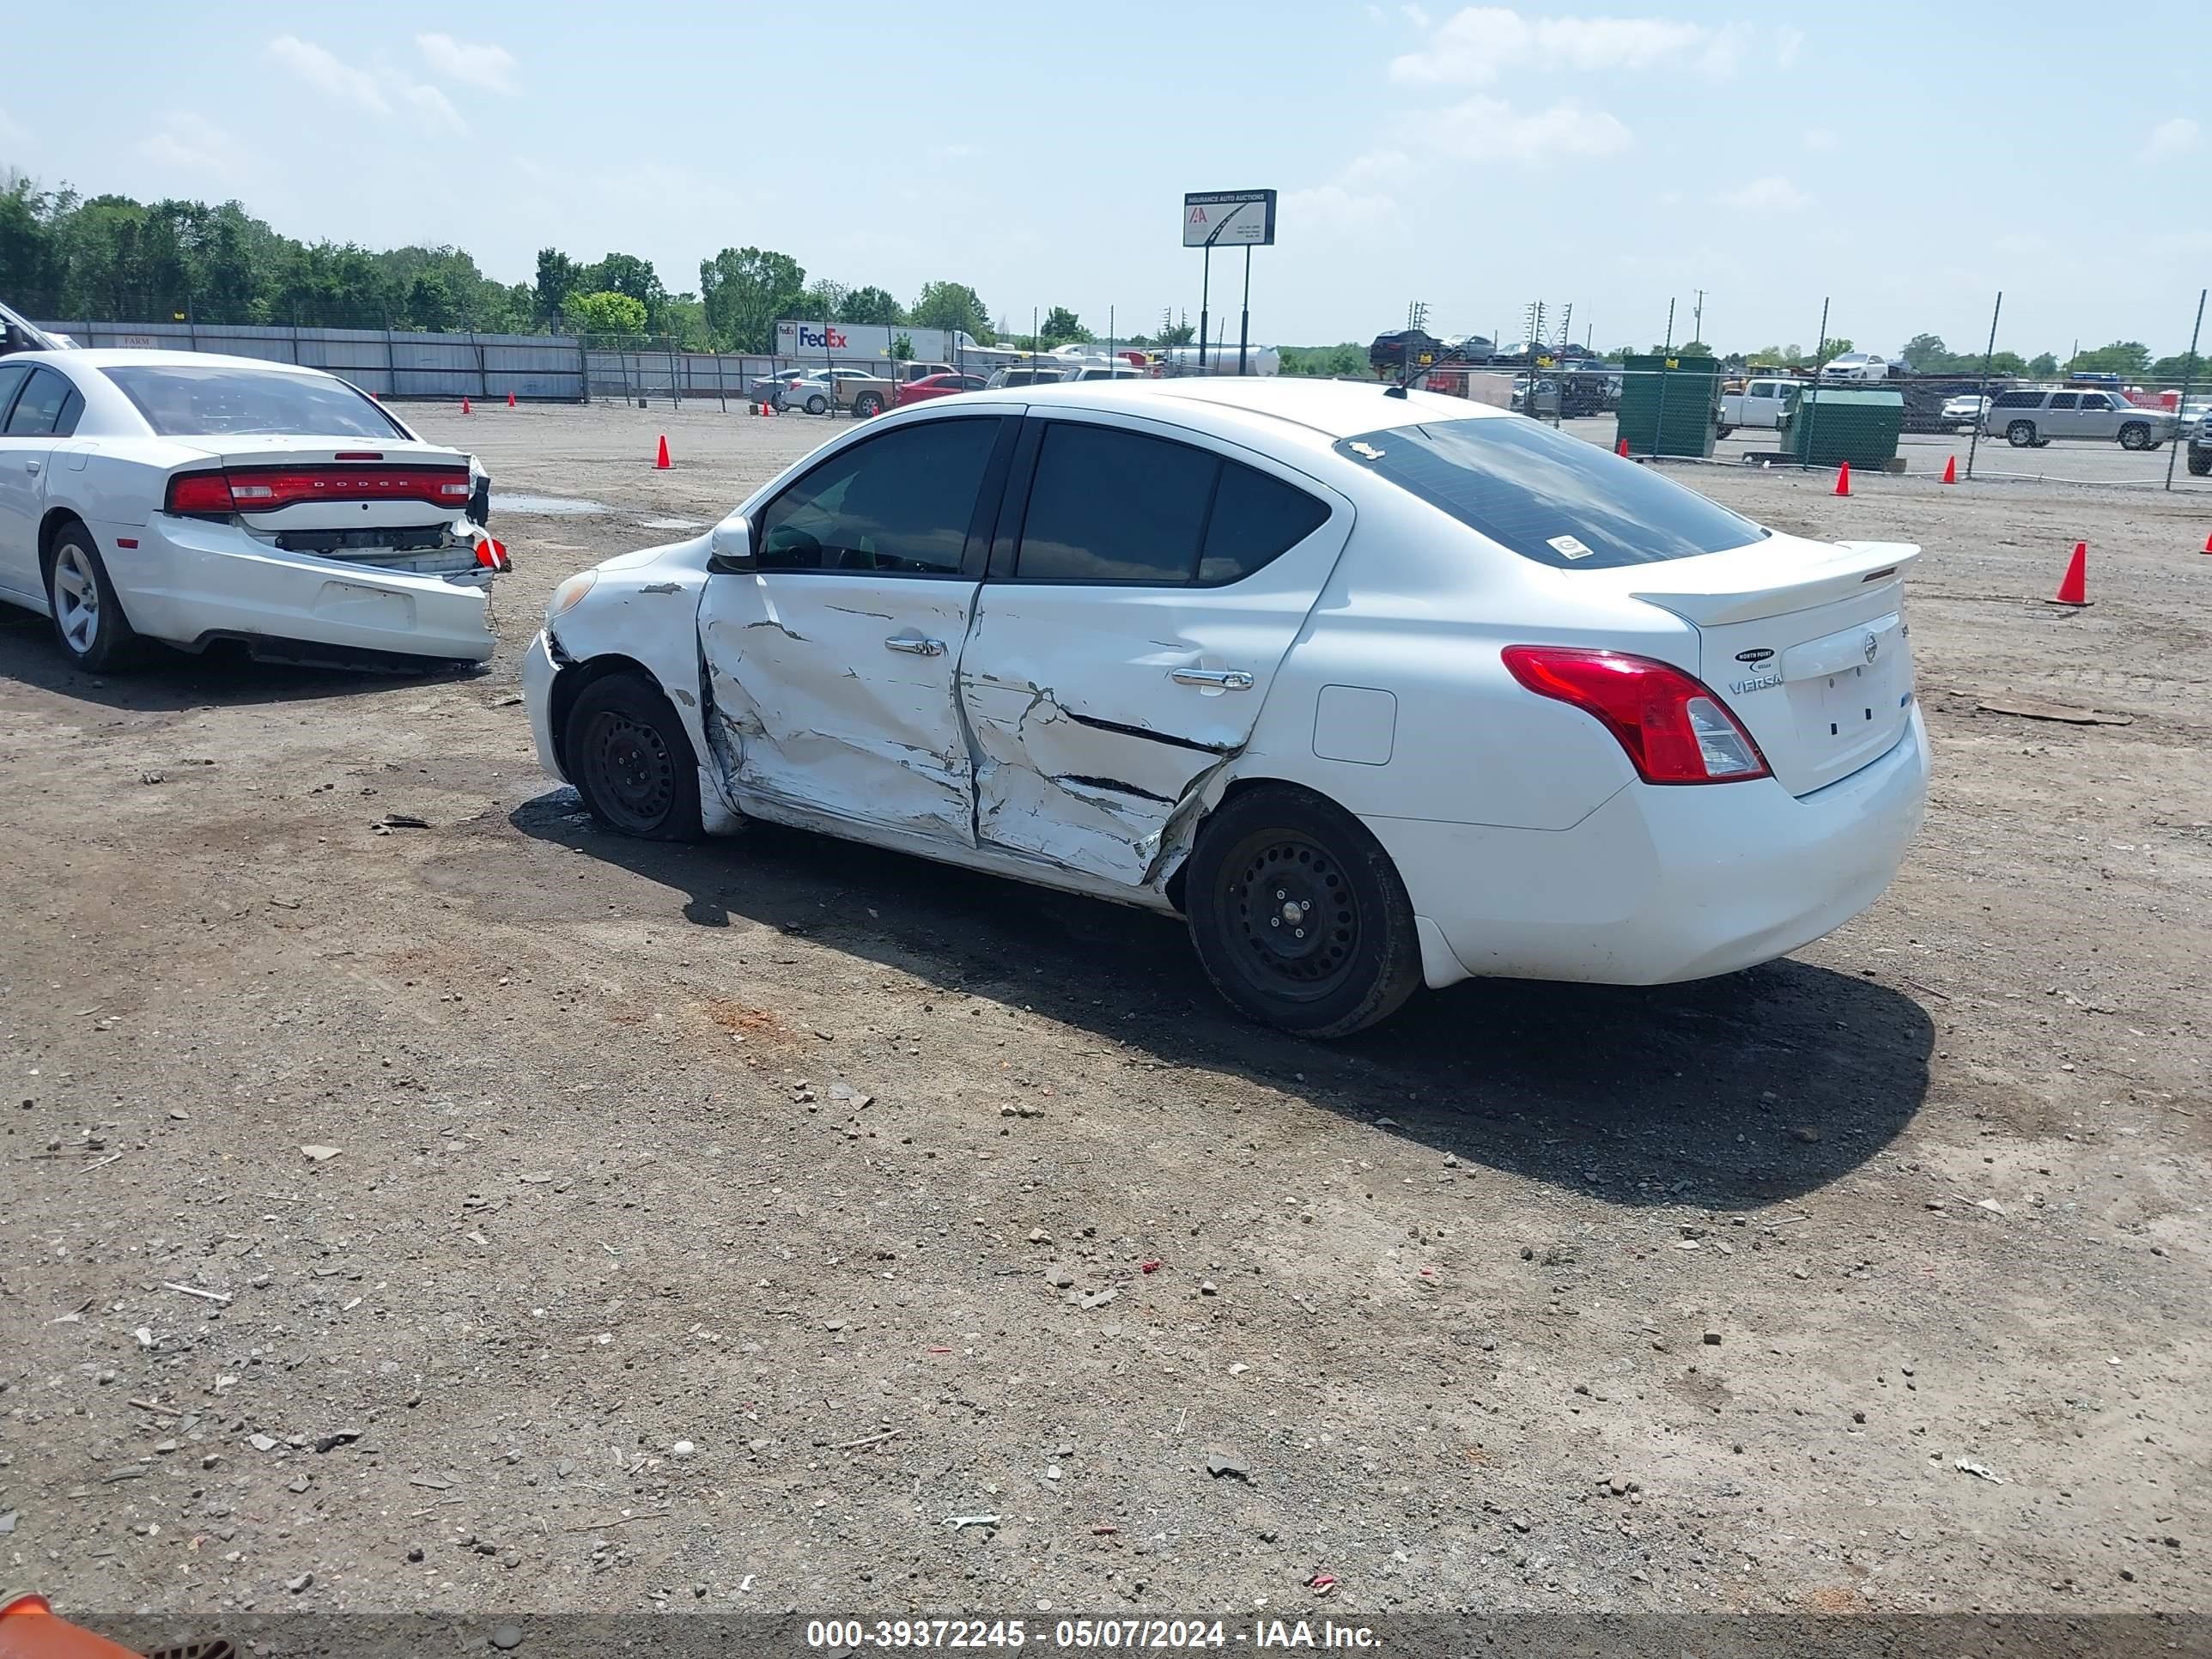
[[847, 1636]]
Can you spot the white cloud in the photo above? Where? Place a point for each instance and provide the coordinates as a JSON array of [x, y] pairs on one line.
[[1474, 46], [321, 68], [2176, 137], [1787, 45], [491, 66], [435, 106], [1375, 13], [192, 143], [1819, 138], [9, 131], [1415, 16], [1332, 207], [1488, 129], [1772, 194]]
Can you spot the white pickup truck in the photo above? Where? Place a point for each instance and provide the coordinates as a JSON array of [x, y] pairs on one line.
[[1760, 404]]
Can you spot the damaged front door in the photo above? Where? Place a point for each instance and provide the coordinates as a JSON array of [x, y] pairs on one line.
[[830, 667], [1143, 590]]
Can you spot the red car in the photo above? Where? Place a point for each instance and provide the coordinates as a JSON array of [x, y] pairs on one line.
[[936, 386]]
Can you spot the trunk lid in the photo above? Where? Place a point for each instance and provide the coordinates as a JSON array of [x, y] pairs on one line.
[[384, 503], [1806, 642]]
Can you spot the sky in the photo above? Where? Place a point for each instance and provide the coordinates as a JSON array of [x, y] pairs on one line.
[[1903, 162]]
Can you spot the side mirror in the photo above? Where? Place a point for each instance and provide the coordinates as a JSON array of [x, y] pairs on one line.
[[730, 548]]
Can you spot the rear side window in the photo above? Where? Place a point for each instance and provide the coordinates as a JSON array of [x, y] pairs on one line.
[[1111, 505], [186, 400], [48, 408], [2064, 399], [12, 376], [1548, 496], [2017, 400]]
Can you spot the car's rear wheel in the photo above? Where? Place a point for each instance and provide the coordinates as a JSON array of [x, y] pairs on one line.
[[2200, 462], [88, 618], [1298, 915], [2135, 435], [818, 405], [2020, 434], [628, 755]]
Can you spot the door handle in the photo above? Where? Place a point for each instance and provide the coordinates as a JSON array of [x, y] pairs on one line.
[[913, 647], [1225, 679], [31, 467]]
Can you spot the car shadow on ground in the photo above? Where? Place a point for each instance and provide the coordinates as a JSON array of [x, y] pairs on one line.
[[167, 681], [1731, 1093]]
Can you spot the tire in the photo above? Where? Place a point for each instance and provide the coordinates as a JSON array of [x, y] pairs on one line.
[[818, 405], [867, 405], [626, 752], [2200, 462], [88, 618], [1277, 846], [2135, 435], [2020, 434]]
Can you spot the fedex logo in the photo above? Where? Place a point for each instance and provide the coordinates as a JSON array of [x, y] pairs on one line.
[[824, 338]]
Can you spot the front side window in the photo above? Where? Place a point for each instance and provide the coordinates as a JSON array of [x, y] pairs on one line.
[[898, 504], [1547, 496], [187, 400], [2095, 400]]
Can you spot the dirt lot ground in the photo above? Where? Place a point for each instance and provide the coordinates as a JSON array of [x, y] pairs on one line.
[[1872, 1280]]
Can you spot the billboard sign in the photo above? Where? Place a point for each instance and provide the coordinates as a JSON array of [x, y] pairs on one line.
[[1229, 218]]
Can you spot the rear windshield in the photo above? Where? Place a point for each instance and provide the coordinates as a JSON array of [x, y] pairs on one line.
[[184, 401], [1549, 497]]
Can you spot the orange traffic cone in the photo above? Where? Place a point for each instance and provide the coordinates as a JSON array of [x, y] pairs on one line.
[[510, 400], [465, 409], [661, 465], [1951, 471], [1844, 479], [1621, 448], [2073, 589], [2207, 543]]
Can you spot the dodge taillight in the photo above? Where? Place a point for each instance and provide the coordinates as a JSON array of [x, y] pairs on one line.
[[268, 488], [1674, 729]]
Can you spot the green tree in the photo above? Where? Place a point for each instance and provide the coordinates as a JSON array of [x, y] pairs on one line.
[[2043, 365], [1836, 347], [1926, 354], [2183, 366], [685, 323], [557, 281], [901, 348], [2127, 358], [625, 273], [1174, 333], [950, 305], [746, 291], [1694, 349], [605, 311], [2001, 362], [1063, 327], [871, 304], [823, 299], [429, 304]]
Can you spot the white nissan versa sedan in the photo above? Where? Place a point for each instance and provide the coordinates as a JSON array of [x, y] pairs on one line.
[[186, 497], [1373, 688]]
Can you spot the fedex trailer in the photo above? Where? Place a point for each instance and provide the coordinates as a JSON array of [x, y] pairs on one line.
[[872, 341]]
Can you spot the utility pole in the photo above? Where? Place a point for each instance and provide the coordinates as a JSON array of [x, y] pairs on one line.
[[1698, 318], [1417, 315]]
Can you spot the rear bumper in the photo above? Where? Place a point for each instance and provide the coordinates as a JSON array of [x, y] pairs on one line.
[[188, 582], [1660, 884]]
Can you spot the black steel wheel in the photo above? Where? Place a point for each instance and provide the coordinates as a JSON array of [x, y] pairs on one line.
[[626, 752], [1298, 915]]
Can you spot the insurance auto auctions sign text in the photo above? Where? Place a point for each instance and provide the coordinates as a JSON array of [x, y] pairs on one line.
[[1229, 218]]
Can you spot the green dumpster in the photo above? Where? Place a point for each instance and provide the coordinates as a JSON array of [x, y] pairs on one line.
[[1669, 405], [1828, 425]]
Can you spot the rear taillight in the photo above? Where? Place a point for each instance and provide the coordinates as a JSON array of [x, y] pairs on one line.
[[1674, 730], [267, 488]]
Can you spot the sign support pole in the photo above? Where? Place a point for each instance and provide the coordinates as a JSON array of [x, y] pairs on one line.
[[1204, 287], [1244, 327]]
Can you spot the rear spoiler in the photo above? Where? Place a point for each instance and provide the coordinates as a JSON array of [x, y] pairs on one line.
[[1770, 587]]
